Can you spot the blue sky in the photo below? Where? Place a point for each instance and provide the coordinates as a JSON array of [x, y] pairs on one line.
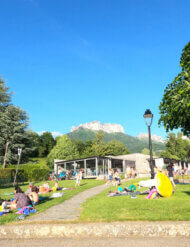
[[75, 61]]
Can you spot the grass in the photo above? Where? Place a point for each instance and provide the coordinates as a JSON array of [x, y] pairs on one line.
[[123, 208], [45, 204]]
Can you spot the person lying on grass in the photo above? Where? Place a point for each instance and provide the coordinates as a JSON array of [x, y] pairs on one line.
[[56, 186], [20, 199], [44, 188]]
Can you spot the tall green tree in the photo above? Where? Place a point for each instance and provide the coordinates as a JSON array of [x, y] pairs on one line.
[[64, 149], [80, 146], [5, 95], [13, 123], [13, 129], [87, 152], [175, 105], [47, 142], [99, 147], [33, 143]]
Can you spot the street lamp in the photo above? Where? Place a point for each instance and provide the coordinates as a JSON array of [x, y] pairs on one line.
[[19, 158], [148, 116]]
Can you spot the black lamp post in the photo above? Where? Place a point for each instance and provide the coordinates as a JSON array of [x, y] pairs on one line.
[[148, 116]]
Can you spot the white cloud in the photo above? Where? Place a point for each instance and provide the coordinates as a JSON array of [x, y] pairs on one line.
[[54, 133], [41, 132]]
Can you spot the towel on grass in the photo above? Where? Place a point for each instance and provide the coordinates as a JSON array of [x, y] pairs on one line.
[[55, 195], [26, 210]]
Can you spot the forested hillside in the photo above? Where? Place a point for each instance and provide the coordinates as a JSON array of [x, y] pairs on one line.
[[134, 144]]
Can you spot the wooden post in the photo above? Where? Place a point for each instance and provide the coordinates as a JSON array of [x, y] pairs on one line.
[[85, 168], [5, 157], [96, 166]]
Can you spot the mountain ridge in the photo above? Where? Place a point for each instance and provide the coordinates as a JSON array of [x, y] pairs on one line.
[[134, 144]]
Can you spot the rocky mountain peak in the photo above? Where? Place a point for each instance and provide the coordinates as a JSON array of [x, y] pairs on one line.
[[153, 137], [96, 125]]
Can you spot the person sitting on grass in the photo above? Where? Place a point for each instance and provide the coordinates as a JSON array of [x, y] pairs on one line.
[[20, 199], [29, 190], [34, 197]]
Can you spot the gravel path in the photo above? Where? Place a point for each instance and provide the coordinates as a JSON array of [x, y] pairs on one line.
[[70, 209]]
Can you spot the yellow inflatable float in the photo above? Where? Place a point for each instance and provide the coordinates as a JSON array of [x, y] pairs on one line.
[[163, 185]]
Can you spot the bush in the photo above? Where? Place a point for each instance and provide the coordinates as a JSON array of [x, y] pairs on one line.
[[26, 173], [7, 173], [34, 173], [6, 176]]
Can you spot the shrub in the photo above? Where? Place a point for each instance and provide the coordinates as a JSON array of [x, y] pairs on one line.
[[7, 173], [26, 173], [34, 173]]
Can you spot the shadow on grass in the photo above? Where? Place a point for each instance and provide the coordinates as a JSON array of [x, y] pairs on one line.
[[187, 192], [44, 199], [83, 184]]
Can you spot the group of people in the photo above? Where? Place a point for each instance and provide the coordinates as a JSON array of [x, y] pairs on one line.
[[66, 174], [30, 197], [130, 172], [22, 199], [114, 177]]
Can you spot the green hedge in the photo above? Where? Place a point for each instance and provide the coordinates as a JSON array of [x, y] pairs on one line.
[[27, 173], [36, 174]]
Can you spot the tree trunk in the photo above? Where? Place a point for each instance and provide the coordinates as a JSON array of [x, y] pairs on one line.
[[5, 157]]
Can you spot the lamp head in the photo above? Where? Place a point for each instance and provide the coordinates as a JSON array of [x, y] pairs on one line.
[[148, 116]]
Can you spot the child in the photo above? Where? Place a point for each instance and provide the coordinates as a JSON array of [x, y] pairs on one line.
[[110, 176], [77, 179]]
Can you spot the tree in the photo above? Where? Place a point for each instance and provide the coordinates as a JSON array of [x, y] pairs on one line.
[[88, 149], [180, 147], [13, 123], [64, 149], [33, 143], [115, 147], [147, 152], [97, 147], [5, 96], [175, 105], [47, 142], [13, 129], [176, 147], [80, 146]]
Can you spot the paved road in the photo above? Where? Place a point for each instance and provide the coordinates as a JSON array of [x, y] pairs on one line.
[[109, 242]]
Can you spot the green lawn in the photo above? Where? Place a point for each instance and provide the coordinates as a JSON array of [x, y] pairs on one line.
[[123, 208], [85, 184]]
